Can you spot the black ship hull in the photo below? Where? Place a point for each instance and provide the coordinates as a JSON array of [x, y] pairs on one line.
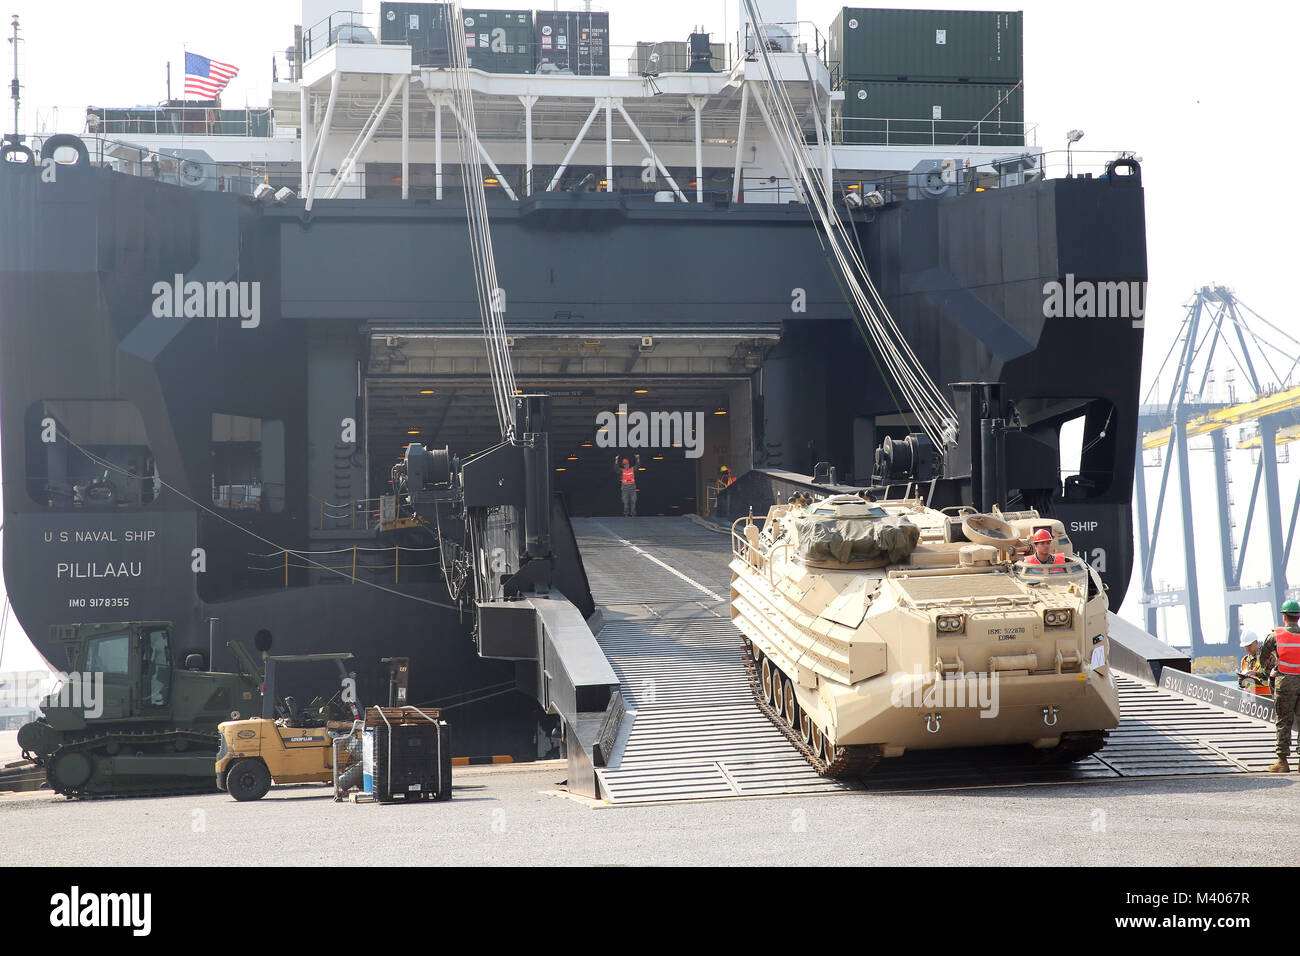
[[256, 437]]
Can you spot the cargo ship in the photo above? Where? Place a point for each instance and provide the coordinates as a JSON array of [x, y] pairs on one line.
[[219, 329]]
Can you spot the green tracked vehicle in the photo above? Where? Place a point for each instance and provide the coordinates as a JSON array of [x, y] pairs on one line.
[[129, 719]]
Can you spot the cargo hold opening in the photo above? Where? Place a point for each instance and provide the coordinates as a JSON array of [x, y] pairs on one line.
[[679, 399]]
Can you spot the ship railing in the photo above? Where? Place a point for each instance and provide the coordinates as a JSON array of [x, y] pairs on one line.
[[245, 497], [346, 562], [341, 26], [1087, 163], [180, 167], [248, 496], [792, 36], [711, 491], [926, 131], [359, 513], [367, 514], [1020, 165], [181, 118], [769, 189]]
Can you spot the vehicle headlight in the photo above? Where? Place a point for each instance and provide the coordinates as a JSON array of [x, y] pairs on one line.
[[951, 623], [1058, 617]]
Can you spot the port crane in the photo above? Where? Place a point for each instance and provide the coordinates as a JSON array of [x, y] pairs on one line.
[[1261, 358]]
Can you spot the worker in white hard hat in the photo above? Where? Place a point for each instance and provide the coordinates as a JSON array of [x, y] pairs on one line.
[[1250, 676]]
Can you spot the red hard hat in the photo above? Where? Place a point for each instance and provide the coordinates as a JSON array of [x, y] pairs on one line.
[[1042, 534]]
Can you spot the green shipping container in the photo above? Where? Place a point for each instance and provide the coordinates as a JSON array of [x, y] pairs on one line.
[[421, 26], [941, 114], [496, 41], [500, 41], [927, 45]]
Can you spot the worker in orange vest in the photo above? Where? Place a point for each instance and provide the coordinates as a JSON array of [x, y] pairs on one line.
[[1249, 674], [1043, 549], [1280, 656], [725, 477], [627, 483]]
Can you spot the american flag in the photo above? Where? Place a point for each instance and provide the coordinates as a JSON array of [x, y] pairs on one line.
[[204, 78]]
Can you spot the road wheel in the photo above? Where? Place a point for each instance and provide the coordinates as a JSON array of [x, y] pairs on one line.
[[70, 770], [805, 727], [769, 678], [790, 706], [248, 780]]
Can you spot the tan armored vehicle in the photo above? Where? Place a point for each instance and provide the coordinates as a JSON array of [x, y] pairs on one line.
[[874, 627]]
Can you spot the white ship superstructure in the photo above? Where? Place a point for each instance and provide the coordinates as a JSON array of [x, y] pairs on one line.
[[354, 119]]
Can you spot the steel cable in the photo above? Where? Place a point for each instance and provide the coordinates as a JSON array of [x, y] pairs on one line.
[[491, 306], [935, 415]]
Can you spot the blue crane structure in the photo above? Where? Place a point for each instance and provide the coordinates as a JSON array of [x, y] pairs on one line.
[[1262, 360]]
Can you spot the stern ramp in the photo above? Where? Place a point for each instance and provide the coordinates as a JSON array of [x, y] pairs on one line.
[[692, 730]]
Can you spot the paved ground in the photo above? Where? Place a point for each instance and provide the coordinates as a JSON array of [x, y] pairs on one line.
[[9, 749], [505, 817]]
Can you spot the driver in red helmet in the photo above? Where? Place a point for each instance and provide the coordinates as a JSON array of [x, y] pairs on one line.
[[1042, 540]]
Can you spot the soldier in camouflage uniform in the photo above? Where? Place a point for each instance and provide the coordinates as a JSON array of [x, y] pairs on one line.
[[1279, 656], [1250, 675]]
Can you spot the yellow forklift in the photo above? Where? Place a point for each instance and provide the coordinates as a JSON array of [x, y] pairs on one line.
[[295, 747]]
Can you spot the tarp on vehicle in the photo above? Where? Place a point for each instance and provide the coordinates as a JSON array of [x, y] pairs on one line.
[[888, 540]]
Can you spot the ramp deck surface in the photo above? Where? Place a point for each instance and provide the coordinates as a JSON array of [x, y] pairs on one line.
[[694, 732]]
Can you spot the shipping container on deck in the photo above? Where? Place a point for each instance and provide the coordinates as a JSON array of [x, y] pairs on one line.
[[572, 42], [920, 114], [927, 45], [422, 26], [500, 41]]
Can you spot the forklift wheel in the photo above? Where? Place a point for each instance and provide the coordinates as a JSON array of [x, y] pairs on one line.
[[248, 780]]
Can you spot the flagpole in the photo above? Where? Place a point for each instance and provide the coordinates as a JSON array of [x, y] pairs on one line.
[[185, 111], [169, 81]]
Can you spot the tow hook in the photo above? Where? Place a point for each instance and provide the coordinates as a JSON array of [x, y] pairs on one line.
[[932, 722], [1050, 715]]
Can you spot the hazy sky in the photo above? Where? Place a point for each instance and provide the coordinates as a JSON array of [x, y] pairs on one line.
[[1200, 91]]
